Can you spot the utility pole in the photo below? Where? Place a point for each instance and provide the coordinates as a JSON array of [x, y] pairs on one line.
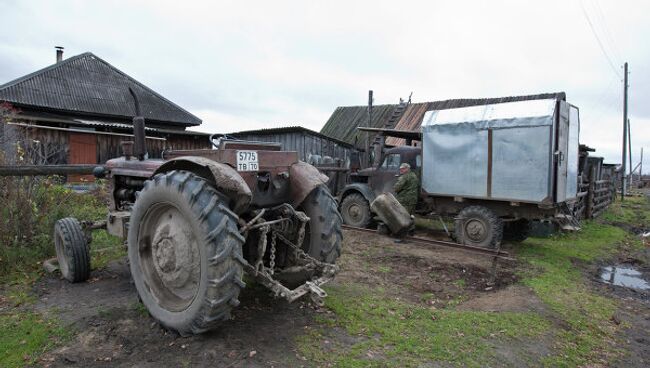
[[367, 162], [623, 169], [629, 152], [641, 165]]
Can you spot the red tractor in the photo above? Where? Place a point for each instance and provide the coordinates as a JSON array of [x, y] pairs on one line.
[[196, 221]]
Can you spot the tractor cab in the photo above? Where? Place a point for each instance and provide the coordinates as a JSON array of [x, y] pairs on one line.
[[382, 177]]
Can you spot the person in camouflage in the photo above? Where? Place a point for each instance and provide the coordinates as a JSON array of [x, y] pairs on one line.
[[406, 188]]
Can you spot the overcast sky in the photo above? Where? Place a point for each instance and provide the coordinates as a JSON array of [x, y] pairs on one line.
[[247, 64]]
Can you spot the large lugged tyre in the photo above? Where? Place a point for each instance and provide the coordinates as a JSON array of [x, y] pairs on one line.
[[355, 210], [323, 235], [72, 251], [185, 252], [478, 226], [516, 231]]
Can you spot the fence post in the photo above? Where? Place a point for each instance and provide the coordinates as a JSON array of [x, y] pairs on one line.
[[589, 205]]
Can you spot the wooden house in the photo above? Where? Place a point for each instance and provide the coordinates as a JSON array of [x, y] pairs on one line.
[[79, 110]]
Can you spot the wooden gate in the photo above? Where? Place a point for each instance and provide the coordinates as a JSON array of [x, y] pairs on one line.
[[83, 150]]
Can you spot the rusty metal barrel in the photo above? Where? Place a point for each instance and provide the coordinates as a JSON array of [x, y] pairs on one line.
[[392, 213]]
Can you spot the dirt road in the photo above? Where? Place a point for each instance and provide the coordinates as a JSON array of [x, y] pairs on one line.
[[114, 330]]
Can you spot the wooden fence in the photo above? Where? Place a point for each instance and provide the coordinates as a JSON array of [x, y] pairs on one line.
[[594, 197], [601, 194], [580, 208]]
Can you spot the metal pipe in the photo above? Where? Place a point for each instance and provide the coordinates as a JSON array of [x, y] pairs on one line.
[[38, 170], [139, 146], [59, 53], [500, 253], [95, 132]]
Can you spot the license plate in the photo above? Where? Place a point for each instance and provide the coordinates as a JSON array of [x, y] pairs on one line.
[[247, 161]]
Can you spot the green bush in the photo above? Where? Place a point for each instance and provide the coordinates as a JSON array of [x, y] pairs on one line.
[[29, 207]]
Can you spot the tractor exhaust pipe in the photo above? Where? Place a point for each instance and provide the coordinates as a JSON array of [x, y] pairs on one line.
[[139, 146]]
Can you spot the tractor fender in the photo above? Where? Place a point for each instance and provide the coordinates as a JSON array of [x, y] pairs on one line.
[[225, 179], [304, 178], [361, 188]]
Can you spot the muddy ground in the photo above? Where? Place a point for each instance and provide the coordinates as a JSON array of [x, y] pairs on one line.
[[634, 311], [114, 330]]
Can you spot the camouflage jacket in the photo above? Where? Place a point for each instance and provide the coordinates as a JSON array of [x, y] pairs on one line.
[[406, 190]]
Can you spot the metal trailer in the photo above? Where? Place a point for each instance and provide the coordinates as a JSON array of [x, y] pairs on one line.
[[501, 163]]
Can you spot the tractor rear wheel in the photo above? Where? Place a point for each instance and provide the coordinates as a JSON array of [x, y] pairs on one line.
[[478, 226], [323, 234], [185, 252]]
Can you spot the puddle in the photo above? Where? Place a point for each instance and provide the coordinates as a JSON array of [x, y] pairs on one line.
[[625, 276]]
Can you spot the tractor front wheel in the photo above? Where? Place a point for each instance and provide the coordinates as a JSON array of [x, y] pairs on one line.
[[72, 251]]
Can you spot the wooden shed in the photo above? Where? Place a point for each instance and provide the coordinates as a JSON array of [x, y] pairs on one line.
[[78, 110], [345, 120], [312, 147]]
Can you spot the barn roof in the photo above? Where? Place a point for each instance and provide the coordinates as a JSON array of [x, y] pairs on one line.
[[87, 85], [344, 121]]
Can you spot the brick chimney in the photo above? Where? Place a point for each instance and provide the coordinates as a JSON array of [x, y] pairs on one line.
[[59, 53]]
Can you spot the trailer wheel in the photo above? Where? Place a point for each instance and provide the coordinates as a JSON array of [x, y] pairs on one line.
[[185, 252], [355, 210], [71, 250], [323, 234], [516, 231], [478, 226]]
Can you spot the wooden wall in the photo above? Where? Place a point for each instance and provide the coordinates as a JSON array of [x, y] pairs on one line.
[[54, 145], [109, 146]]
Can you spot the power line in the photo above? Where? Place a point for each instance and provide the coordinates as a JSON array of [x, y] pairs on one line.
[[607, 92], [608, 32], [606, 102], [602, 48]]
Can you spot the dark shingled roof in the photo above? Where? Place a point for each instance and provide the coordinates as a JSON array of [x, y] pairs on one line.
[[87, 85], [344, 121]]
